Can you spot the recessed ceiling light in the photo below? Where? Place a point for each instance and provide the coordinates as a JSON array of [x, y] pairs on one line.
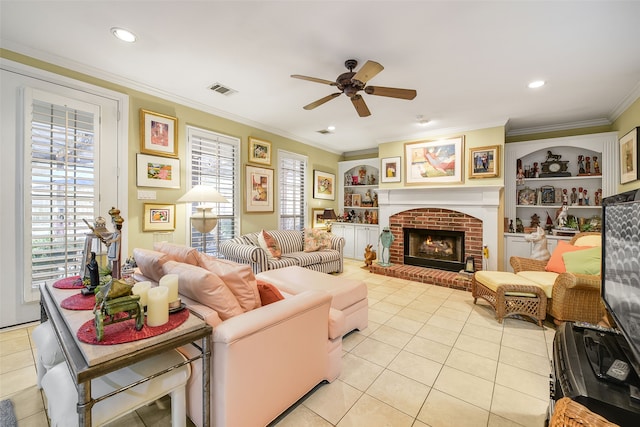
[[124, 35], [536, 84], [331, 128], [422, 121]]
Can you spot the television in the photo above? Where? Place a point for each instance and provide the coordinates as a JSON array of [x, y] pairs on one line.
[[620, 288]]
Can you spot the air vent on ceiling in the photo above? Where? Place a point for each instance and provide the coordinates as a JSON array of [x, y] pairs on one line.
[[222, 89], [324, 131]]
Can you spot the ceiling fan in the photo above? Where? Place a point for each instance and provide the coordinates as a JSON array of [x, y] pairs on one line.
[[352, 82]]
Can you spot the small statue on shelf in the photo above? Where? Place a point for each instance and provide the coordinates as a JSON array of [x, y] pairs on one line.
[[519, 173], [587, 165], [519, 226], [535, 220], [596, 196], [580, 196], [536, 170], [581, 165], [565, 197], [585, 198], [574, 196], [511, 228], [596, 166]]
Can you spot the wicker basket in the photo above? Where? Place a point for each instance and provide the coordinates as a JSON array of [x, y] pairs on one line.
[[568, 413]]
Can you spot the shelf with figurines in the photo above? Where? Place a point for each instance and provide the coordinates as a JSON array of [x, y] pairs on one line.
[[549, 197]]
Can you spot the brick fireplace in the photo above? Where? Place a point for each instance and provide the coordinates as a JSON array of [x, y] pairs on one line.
[[474, 212]]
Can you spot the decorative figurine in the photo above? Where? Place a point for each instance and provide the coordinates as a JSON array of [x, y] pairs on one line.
[[519, 226], [596, 196], [519, 173], [113, 298], [386, 238], [585, 198], [581, 165], [536, 171], [565, 197], [539, 239], [535, 220], [369, 256], [511, 228], [580, 196], [94, 276], [574, 196], [587, 165], [596, 166], [562, 216]]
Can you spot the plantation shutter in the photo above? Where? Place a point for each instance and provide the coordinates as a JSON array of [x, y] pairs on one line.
[[61, 183], [292, 190], [214, 160]]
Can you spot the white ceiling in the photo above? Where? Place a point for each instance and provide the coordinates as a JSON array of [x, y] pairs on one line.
[[470, 62]]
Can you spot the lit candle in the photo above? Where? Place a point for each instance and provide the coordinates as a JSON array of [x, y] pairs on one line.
[[170, 281], [142, 288], [158, 306]]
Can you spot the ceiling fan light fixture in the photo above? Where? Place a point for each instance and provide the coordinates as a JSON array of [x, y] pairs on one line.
[[536, 84], [124, 35]]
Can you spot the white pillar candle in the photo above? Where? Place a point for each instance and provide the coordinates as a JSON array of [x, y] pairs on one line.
[[158, 306], [170, 281], [142, 288]]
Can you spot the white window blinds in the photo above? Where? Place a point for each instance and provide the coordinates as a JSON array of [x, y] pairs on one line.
[[293, 169], [214, 160], [62, 172]]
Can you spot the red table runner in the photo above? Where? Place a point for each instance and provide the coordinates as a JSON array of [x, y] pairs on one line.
[[79, 302], [73, 282], [122, 332]]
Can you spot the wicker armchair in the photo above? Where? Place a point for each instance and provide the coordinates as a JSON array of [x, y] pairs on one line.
[[575, 297], [568, 413]]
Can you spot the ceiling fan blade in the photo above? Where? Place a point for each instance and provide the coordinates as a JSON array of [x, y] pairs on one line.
[[368, 71], [321, 101], [360, 105], [313, 79], [391, 92]]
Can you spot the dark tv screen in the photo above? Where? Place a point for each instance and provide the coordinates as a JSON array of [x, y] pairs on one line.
[[621, 266]]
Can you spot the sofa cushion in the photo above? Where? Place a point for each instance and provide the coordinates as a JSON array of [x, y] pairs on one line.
[[239, 279], [316, 239], [545, 279], [556, 263], [494, 279], [269, 244], [273, 263], [268, 293], [304, 259], [589, 240], [583, 262], [180, 253], [150, 262], [204, 287]]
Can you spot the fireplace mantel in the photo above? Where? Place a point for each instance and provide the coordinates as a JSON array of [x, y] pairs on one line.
[[482, 202]]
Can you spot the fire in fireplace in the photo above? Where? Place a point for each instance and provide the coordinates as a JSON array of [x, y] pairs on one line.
[[439, 249]]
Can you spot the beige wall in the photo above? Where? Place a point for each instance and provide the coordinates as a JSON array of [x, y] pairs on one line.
[[317, 159], [626, 122]]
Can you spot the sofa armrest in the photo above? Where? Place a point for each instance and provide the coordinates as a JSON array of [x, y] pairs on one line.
[[579, 281], [244, 254], [526, 264], [209, 315], [337, 243]]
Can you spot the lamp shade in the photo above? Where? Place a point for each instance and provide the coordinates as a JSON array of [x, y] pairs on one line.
[[202, 194], [329, 214]]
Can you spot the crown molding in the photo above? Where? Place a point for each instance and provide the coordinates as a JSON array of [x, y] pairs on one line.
[[626, 103], [560, 127]]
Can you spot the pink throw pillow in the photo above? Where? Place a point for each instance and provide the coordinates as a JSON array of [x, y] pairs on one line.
[[268, 293], [150, 262], [180, 253], [316, 239], [204, 287], [239, 279], [269, 244]]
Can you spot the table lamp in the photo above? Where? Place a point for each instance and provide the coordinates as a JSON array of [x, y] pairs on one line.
[[328, 216], [204, 219]]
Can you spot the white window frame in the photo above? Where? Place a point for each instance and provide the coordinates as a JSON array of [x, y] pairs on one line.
[[233, 196], [287, 155]]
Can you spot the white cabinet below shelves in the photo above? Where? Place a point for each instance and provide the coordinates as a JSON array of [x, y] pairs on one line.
[[356, 238]]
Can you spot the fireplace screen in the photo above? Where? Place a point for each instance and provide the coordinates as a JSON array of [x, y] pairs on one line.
[[439, 249]]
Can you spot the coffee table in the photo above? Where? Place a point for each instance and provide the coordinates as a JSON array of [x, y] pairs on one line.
[[86, 361]]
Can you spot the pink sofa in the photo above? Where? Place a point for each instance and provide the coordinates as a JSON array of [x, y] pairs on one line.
[[264, 358]]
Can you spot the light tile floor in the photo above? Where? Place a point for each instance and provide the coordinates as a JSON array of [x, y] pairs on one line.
[[429, 357]]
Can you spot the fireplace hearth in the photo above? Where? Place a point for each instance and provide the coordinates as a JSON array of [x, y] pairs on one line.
[[441, 249]]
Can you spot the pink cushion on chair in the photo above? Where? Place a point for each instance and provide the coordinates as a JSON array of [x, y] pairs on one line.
[[556, 263], [150, 262], [180, 253]]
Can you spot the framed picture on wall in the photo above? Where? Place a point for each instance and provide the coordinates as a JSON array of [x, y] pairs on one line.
[[158, 134], [434, 162], [324, 185], [317, 218], [390, 170], [159, 217], [629, 156], [259, 189], [259, 151], [154, 171], [484, 162]]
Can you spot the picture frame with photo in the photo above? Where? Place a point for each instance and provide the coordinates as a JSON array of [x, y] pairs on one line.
[[324, 185], [391, 169], [484, 162], [159, 217], [434, 162], [317, 218], [158, 134], [259, 151], [629, 156], [356, 200], [156, 171], [259, 189]]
